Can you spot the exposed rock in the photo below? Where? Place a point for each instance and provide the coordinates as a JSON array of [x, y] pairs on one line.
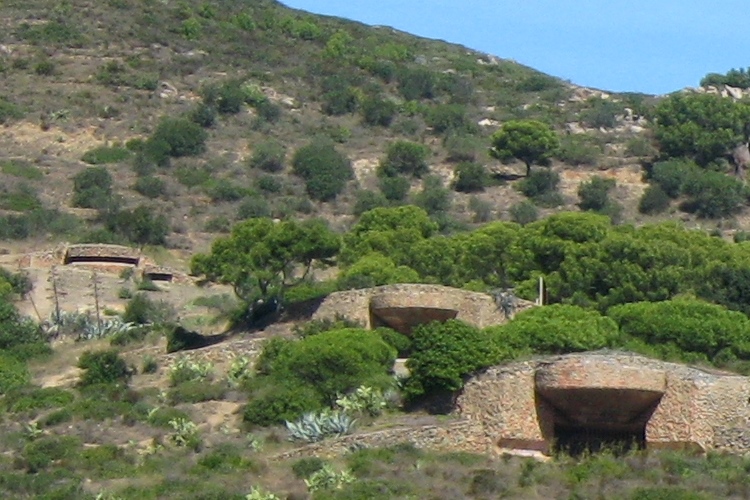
[[734, 92], [487, 122], [167, 90], [574, 128]]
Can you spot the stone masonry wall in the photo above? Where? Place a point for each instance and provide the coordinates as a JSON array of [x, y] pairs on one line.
[[477, 309]]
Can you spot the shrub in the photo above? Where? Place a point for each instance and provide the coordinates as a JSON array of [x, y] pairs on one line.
[[13, 374], [691, 325], [602, 113], [230, 98], [378, 112], [324, 169], [103, 367], [150, 365], [305, 467], [181, 137], [224, 190], [671, 175], [281, 403], [462, 148], [447, 117], [140, 225], [434, 197], [203, 115], [150, 186], [253, 206], [41, 453], [470, 177], [15, 330], [405, 158], [594, 194], [578, 149], [92, 188], [639, 146], [443, 354], [482, 209], [317, 326], [336, 362], [556, 329], [340, 101], [394, 188], [539, 183], [654, 200], [268, 111], [269, 184], [402, 343], [9, 111], [712, 194], [105, 154], [32, 398], [416, 83], [22, 199], [268, 156], [143, 311], [192, 176], [196, 391], [365, 200]]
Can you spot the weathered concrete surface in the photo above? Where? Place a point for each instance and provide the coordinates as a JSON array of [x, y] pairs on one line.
[[404, 306]]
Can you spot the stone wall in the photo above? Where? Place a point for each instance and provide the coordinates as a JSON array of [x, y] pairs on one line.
[[698, 409]]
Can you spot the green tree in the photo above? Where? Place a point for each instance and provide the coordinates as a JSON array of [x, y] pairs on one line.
[[389, 231], [701, 127], [529, 141], [259, 257]]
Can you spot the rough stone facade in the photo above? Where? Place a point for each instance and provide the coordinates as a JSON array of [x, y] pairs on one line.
[[404, 306], [520, 408], [530, 405]]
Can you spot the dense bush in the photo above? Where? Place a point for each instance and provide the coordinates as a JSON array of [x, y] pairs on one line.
[[150, 186], [594, 194], [524, 213], [578, 149], [691, 325], [462, 148], [434, 198], [671, 175], [336, 362], [143, 311], [13, 374], [378, 111], [365, 200], [556, 329], [443, 354], [324, 169], [105, 154], [340, 101], [416, 83], [268, 156], [541, 186], [712, 194], [140, 225], [394, 188], [447, 117], [470, 177], [280, 403], [405, 158], [177, 137], [92, 188], [16, 330], [253, 206], [601, 113], [654, 200], [103, 367], [375, 269]]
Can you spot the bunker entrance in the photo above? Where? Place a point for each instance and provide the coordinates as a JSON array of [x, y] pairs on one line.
[[576, 440], [593, 419]]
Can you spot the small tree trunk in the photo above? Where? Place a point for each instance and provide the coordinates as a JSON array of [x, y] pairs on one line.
[[528, 169]]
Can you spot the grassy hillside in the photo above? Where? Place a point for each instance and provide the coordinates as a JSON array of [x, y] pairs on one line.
[[85, 75]]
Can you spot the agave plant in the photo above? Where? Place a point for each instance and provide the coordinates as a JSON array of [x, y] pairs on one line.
[[84, 326], [363, 400], [240, 369], [260, 494], [326, 478], [313, 427]]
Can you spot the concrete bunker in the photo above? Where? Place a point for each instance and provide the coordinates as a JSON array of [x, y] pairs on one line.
[[101, 254], [158, 274], [591, 409]]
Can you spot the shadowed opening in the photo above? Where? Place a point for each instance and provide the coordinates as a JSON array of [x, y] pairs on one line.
[[100, 259]]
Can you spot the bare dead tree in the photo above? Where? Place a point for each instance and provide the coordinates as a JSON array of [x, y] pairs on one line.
[[506, 301]]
